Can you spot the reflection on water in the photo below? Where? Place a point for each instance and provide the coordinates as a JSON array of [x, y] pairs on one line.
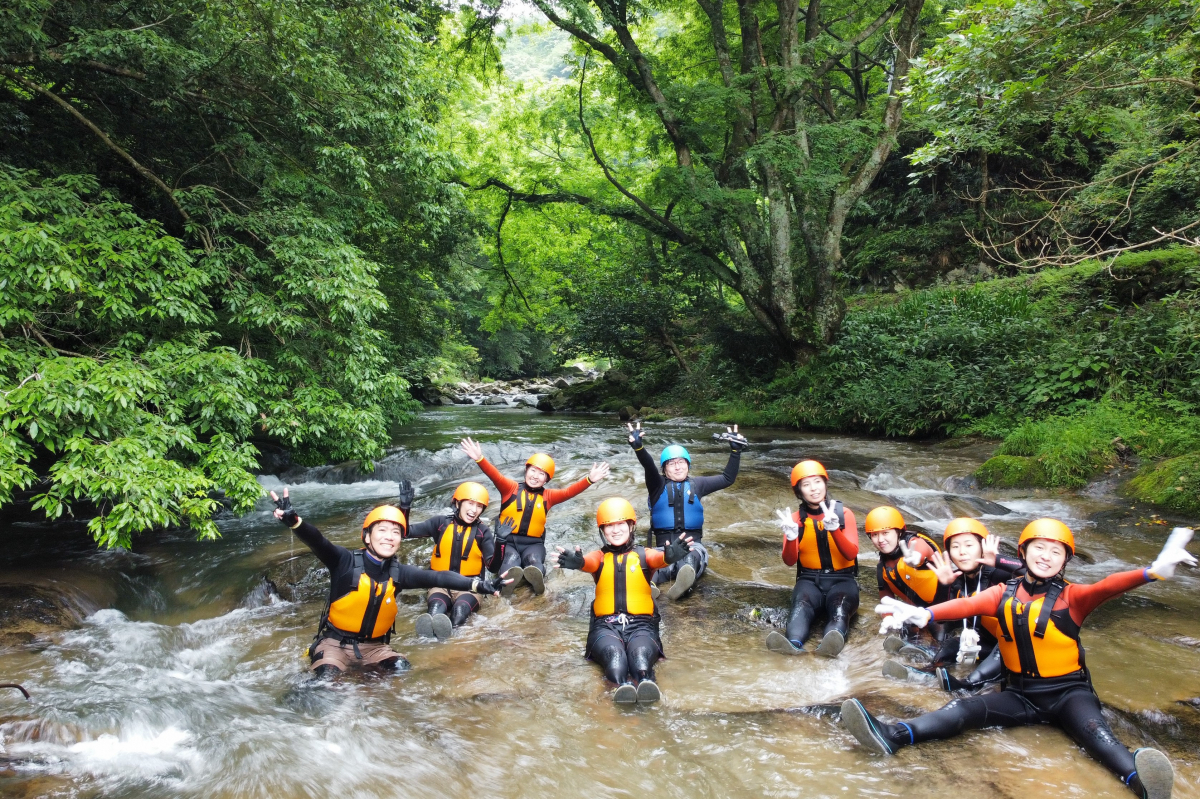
[[192, 682]]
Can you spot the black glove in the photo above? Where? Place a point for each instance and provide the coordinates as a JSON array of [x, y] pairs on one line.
[[737, 441], [677, 550], [483, 586], [405, 496], [504, 531], [571, 559], [290, 517], [635, 436]]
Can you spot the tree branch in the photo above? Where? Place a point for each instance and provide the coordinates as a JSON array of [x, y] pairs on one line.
[[73, 111]]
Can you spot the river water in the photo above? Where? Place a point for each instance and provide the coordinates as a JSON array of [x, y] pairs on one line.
[[186, 677]]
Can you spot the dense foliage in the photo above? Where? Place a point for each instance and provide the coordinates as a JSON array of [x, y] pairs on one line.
[[204, 212]]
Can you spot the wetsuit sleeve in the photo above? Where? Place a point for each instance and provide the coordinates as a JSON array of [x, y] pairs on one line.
[[656, 559], [846, 538], [504, 485], [487, 546], [412, 577], [1083, 599], [1005, 569], [920, 545], [791, 550], [703, 486], [985, 603], [553, 496], [425, 529], [592, 561], [654, 480], [326, 551]]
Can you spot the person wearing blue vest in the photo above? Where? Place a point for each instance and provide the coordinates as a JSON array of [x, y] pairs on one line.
[[675, 502]]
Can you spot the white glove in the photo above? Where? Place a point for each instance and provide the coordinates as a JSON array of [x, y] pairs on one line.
[[891, 625], [968, 646], [791, 530], [901, 613], [831, 521], [1173, 553], [911, 556]]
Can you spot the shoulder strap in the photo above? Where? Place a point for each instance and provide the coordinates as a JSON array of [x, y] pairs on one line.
[[1048, 603], [356, 569], [1010, 591]]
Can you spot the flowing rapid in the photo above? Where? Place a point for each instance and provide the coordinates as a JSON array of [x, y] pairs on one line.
[[182, 671]]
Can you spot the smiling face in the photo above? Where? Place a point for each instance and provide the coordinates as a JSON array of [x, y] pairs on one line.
[[812, 490], [617, 534], [965, 550], [676, 469], [383, 538], [469, 510], [1045, 558], [535, 477], [886, 541]]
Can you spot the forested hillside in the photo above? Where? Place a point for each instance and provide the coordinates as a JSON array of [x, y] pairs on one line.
[[235, 229]]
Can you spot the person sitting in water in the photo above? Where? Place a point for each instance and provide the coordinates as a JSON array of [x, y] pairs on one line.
[[1038, 617], [970, 563], [904, 571], [526, 505], [623, 636], [356, 626], [463, 543], [821, 540], [676, 505]]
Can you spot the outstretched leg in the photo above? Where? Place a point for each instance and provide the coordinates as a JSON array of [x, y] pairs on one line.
[[1004, 709], [1079, 714]]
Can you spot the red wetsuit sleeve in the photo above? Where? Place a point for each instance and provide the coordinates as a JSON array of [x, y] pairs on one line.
[[506, 486], [655, 558], [553, 496], [791, 550], [985, 603], [846, 538], [592, 561], [920, 545], [1083, 599]]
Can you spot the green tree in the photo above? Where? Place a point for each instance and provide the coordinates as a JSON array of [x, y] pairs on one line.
[[743, 132], [203, 207]]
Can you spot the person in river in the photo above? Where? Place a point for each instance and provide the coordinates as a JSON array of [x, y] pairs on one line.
[[904, 570], [526, 505], [464, 544], [970, 563], [356, 626], [676, 505], [1038, 617], [623, 636], [821, 540]]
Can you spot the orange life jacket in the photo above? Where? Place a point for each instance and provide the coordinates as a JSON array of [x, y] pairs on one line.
[[918, 585], [368, 611], [818, 550], [457, 550], [1035, 639], [527, 511], [623, 585]]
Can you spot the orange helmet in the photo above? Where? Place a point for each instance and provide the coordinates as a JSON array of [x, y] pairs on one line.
[[385, 513], [963, 525], [882, 518], [808, 469], [1050, 529], [472, 491], [615, 510], [543, 462]]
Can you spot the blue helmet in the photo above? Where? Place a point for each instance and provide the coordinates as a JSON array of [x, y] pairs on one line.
[[672, 452]]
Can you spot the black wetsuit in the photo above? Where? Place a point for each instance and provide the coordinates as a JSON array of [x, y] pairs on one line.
[[656, 483], [467, 603]]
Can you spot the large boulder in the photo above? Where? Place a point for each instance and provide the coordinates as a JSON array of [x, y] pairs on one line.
[[495, 400]]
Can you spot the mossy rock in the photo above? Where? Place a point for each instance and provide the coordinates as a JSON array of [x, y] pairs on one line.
[[1012, 471], [1173, 483]]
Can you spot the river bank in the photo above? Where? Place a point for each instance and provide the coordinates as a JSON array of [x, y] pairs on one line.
[[188, 680]]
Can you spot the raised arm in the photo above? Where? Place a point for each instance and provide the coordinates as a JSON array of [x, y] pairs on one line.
[[506, 486], [846, 538], [426, 529], [326, 551], [704, 486], [654, 478], [554, 496], [1083, 599]]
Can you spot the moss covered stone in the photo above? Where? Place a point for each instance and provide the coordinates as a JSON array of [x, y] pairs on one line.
[[1173, 483], [1011, 471]]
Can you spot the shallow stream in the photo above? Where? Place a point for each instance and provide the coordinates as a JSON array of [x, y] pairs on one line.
[[186, 677]]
